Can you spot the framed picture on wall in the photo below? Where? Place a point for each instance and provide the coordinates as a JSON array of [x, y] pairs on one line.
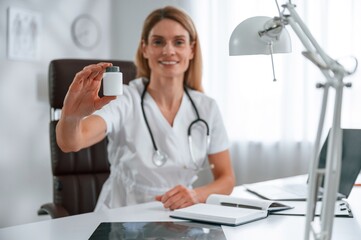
[[23, 34]]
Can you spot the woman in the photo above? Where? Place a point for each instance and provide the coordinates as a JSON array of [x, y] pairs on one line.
[[147, 127]]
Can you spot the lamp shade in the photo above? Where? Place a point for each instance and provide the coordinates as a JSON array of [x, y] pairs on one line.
[[245, 38]]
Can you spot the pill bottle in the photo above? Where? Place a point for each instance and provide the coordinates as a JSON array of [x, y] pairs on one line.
[[112, 81]]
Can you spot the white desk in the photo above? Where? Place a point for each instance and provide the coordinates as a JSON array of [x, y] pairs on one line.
[[272, 227]]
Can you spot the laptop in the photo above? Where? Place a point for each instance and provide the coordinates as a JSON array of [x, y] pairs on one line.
[[297, 190]]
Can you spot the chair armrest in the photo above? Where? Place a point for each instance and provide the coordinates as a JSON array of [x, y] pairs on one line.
[[54, 210]]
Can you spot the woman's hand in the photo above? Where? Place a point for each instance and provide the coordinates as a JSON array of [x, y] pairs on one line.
[[82, 97], [76, 129], [178, 197], [224, 180]]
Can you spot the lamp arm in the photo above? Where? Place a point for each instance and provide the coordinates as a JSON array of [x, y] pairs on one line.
[[334, 74], [304, 33], [310, 43]]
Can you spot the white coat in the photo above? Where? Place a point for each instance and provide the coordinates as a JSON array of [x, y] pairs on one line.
[[133, 176]]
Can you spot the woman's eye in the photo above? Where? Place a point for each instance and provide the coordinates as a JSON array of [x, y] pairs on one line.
[[158, 42], [179, 42]]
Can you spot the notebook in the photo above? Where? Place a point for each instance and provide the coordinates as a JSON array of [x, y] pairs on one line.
[[217, 214], [351, 166]]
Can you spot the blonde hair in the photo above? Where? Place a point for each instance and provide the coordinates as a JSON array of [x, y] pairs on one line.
[[193, 75]]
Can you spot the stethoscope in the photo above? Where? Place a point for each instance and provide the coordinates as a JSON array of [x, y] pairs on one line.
[[160, 158]]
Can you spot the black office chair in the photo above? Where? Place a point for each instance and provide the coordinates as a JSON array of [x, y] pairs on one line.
[[77, 177]]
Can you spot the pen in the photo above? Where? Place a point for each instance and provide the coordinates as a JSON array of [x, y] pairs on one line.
[[228, 204], [248, 206], [239, 205]]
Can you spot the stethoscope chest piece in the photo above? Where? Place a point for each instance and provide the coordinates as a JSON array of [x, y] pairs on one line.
[[159, 158]]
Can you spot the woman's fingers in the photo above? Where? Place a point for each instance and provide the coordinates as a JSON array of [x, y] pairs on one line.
[[178, 197], [103, 101], [79, 79], [97, 70], [89, 77]]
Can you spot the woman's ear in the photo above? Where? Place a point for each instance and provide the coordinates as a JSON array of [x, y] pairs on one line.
[[193, 44], [144, 49]]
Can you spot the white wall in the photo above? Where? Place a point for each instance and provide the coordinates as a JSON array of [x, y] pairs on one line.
[[25, 171]]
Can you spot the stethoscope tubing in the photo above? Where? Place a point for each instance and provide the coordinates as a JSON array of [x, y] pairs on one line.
[[198, 119], [146, 119]]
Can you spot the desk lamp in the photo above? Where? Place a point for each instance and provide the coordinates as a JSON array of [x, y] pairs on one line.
[[263, 35]]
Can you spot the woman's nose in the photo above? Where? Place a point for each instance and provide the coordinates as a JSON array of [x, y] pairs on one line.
[[168, 49]]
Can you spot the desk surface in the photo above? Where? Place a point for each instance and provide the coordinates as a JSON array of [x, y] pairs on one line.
[[274, 227]]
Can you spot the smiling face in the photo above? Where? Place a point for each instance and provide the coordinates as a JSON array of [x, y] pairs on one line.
[[168, 50]]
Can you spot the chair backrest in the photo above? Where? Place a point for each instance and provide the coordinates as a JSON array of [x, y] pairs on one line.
[[77, 177]]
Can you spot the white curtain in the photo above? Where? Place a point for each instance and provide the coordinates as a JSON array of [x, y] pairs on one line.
[[272, 125]]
